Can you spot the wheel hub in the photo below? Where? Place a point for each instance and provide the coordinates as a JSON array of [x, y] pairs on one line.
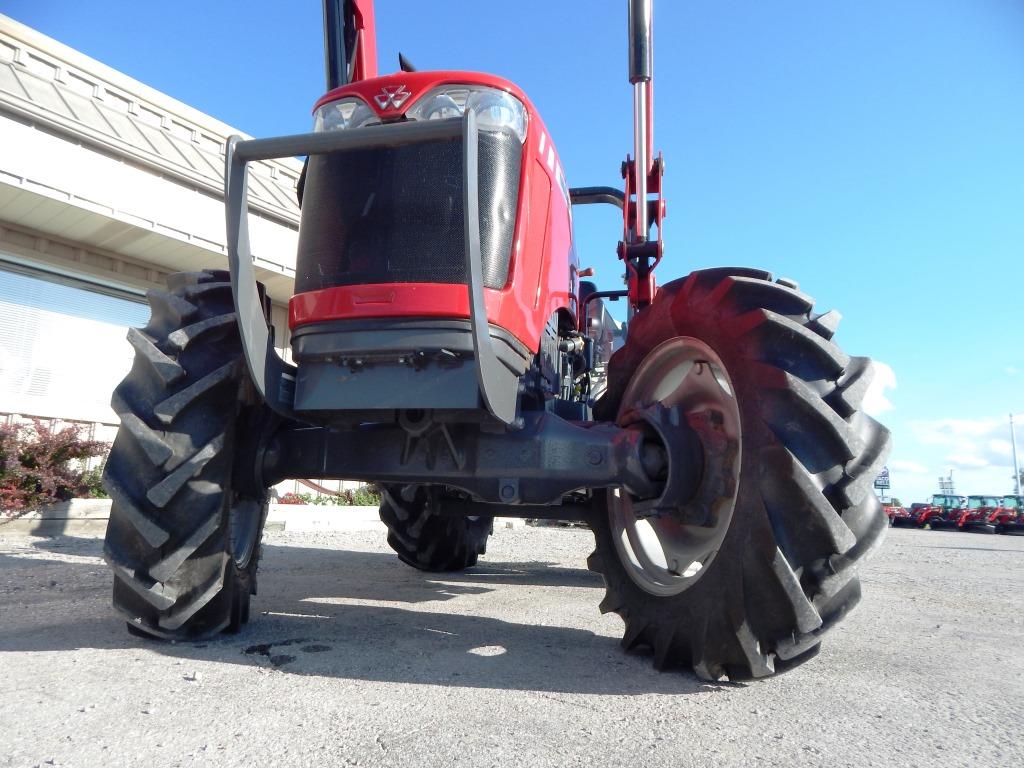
[[245, 524], [682, 393]]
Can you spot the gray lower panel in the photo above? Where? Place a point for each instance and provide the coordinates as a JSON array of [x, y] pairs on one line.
[[386, 386], [390, 364]]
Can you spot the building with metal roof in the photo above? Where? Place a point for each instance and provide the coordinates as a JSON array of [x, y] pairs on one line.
[[106, 187]]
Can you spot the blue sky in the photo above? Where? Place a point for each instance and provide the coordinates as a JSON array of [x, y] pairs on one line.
[[871, 150]]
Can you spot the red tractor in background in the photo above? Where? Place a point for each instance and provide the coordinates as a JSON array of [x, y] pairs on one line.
[[912, 516], [978, 513], [1009, 516], [444, 347], [895, 512], [945, 512], [921, 514]]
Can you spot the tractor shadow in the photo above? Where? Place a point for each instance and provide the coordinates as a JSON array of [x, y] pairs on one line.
[[353, 615]]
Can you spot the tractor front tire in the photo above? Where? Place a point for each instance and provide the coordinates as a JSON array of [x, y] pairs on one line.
[[742, 580], [183, 544], [428, 540]]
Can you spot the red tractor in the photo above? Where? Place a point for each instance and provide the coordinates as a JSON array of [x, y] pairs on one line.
[[1009, 516], [912, 516], [444, 347], [946, 511], [919, 515], [896, 513], [977, 514]]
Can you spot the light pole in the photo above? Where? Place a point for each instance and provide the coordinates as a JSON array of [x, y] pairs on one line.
[[946, 485], [1016, 466]]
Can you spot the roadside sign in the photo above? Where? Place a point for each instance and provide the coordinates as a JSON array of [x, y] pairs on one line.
[[882, 481]]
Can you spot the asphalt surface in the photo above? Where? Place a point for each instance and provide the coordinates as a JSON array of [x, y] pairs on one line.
[[355, 659]]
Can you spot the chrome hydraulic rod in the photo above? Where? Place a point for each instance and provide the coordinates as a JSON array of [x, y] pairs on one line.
[[640, 161], [641, 73]]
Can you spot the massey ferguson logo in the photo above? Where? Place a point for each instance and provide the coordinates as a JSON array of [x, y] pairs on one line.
[[392, 97]]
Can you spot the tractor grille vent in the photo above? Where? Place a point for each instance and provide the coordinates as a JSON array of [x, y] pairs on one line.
[[395, 214]]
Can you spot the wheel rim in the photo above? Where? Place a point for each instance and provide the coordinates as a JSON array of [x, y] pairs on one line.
[[245, 521], [662, 555]]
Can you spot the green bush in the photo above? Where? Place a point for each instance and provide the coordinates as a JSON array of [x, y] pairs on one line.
[[92, 484], [366, 496]]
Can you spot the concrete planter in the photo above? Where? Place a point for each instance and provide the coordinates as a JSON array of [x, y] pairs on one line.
[[322, 517], [88, 517], [73, 518]]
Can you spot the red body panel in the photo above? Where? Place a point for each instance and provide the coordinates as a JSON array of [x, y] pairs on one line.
[[543, 266]]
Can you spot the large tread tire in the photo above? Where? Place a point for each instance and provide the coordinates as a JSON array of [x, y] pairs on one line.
[[183, 545], [430, 541], [805, 515]]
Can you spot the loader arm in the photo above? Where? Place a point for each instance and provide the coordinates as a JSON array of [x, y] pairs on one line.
[[350, 42]]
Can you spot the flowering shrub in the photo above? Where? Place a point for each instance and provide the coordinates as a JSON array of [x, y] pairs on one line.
[[40, 465]]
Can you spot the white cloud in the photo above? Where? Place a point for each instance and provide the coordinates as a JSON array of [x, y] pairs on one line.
[[1000, 448], [956, 431], [966, 461], [909, 467], [1011, 370], [971, 443], [875, 401]]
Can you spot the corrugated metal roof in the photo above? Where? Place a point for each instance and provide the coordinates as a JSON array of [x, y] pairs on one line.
[[51, 84]]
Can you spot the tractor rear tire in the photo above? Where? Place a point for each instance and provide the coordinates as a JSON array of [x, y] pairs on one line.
[[183, 544], [750, 590], [428, 540]]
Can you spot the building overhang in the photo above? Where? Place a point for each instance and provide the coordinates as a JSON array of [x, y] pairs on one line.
[[102, 174]]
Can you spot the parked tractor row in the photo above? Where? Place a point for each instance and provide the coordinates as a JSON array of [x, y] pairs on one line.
[[998, 514]]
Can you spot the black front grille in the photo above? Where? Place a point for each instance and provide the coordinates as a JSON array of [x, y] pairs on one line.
[[395, 214]]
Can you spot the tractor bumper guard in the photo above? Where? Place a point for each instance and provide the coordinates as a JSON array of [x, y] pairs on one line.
[[273, 377]]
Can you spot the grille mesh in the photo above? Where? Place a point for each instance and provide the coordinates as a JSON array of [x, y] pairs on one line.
[[395, 214]]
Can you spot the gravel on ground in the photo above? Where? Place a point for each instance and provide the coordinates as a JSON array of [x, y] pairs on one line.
[[355, 659]]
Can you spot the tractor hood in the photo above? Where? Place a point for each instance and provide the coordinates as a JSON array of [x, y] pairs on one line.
[[392, 96]]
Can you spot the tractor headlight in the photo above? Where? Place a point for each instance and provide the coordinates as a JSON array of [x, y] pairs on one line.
[[343, 114], [495, 110]]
